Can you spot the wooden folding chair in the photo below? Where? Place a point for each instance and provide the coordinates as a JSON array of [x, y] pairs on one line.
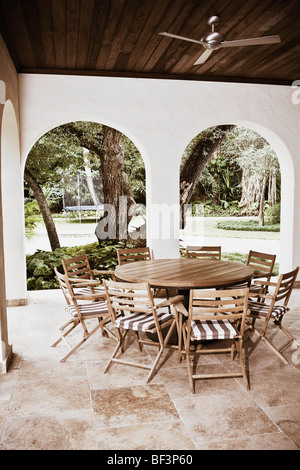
[[128, 255], [214, 315], [81, 307], [79, 270], [263, 264], [273, 307], [132, 307], [203, 252]]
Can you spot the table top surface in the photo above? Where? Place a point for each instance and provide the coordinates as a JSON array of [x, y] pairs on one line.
[[185, 273]]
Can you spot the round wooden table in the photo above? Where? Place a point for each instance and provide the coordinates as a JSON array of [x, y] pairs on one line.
[[185, 274]]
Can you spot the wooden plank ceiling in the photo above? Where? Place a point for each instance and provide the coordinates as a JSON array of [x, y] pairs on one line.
[[119, 38]]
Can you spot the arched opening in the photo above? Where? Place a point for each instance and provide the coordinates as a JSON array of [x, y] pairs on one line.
[[13, 210], [81, 168], [283, 246]]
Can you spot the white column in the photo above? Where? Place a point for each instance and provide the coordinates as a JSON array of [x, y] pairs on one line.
[[13, 210], [163, 210]]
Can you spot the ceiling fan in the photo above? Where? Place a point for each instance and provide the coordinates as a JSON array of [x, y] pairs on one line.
[[215, 40]]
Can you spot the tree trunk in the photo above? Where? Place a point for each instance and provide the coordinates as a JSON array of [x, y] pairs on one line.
[[272, 197], [201, 154], [44, 208], [90, 181], [117, 194], [261, 217]]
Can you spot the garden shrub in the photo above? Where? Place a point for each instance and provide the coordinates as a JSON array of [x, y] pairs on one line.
[[251, 225], [40, 265], [272, 214]]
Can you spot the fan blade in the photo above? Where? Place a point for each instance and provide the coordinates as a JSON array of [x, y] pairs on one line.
[[252, 41], [181, 37], [203, 57]]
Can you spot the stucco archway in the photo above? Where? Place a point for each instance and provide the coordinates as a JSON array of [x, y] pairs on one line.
[[87, 134], [287, 189], [287, 192]]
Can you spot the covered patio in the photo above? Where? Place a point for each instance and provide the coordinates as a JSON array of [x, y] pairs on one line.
[[103, 61], [48, 405]]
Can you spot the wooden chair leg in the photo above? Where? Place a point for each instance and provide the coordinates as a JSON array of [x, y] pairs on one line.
[[74, 324], [153, 368], [242, 363], [117, 348], [275, 351], [84, 339], [190, 372], [138, 340]]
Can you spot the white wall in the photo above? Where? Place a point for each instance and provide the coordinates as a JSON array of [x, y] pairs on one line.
[[161, 117]]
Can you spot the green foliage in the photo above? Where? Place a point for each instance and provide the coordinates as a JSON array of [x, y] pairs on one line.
[[100, 257], [251, 225], [220, 181], [272, 214], [243, 156], [40, 265], [209, 209], [59, 156], [32, 217]]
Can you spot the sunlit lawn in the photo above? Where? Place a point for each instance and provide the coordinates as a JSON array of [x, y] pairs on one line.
[[207, 226]]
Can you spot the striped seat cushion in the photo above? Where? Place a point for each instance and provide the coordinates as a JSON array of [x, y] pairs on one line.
[[141, 321], [88, 290], [212, 329], [92, 308], [261, 309]]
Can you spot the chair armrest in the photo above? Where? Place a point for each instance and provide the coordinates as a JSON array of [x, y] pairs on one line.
[[181, 309], [171, 301], [89, 297], [262, 296], [84, 282], [265, 283]]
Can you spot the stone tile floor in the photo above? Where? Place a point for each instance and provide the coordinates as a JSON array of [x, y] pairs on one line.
[[48, 405]]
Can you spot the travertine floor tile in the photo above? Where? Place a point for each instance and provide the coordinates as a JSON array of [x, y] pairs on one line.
[[287, 418], [272, 441], [132, 406], [40, 432], [276, 387], [211, 418], [150, 436]]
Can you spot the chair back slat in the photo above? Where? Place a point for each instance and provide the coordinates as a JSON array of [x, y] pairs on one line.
[[121, 298], [203, 252], [64, 286], [285, 286], [133, 254], [262, 263], [215, 305], [78, 267]]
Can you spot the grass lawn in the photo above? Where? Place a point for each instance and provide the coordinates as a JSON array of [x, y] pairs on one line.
[[207, 226]]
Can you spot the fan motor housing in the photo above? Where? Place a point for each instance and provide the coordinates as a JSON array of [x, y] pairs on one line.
[[213, 40]]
